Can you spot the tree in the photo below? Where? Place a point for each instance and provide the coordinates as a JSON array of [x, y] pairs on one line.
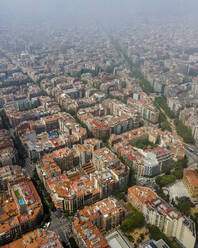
[[17, 236], [161, 102], [165, 126], [185, 207], [166, 170], [184, 132], [66, 214], [105, 141], [156, 234], [132, 179], [179, 166], [195, 219], [5, 120], [84, 81], [119, 195], [165, 180], [132, 222], [178, 173], [22, 154], [181, 163], [144, 143], [51, 206], [146, 86], [73, 242], [160, 193], [142, 236]]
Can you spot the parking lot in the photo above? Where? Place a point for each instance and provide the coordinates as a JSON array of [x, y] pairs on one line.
[[178, 190]]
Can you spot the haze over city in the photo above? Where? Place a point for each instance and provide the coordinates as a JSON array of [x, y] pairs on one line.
[[110, 11], [98, 123]]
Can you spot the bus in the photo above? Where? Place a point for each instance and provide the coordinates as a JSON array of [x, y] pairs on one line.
[[189, 148]]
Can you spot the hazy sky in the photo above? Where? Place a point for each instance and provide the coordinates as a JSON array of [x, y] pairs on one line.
[[82, 10]]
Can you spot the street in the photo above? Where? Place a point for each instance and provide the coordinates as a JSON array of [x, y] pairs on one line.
[[192, 159], [30, 167], [192, 156], [62, 226]]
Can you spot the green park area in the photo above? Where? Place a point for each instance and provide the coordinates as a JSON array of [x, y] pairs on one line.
[[18, 195]]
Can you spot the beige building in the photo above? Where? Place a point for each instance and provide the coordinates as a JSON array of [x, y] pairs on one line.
[[159, 213], [190, 180], [185, 232]]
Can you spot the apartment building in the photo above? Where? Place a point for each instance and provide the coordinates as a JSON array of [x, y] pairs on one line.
[[154, 244], [100, 172], [105, 160], [88, 235], [138, 195], [106, 214], [124, 144], [190, 179], [64, 158], [8, 153], [97, 219], [49, 133], [1, 122], [35, 239], [21, 208], [159, 213], [145, 107]]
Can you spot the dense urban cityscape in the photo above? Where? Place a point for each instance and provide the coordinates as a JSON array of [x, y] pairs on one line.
[[99, 134]]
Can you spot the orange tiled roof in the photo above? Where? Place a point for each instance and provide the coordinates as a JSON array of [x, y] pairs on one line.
[[142, 193], [192, 176]]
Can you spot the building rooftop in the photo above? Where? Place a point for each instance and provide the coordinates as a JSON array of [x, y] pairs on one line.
[[142, 193], [153, 244], [38, 238], [106, 207], [164, 208], [19, 204], [90, 234], [192, 176], [118, 240]]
